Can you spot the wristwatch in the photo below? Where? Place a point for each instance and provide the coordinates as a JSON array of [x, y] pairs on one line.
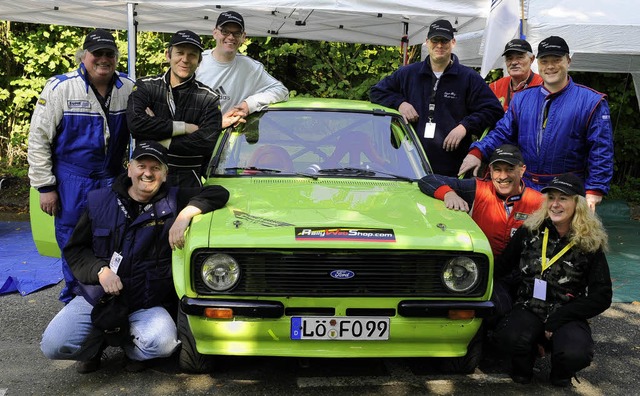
[[101, 270]]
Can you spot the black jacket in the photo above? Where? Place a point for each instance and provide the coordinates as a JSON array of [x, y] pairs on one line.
[[578, 284], [190, 102]]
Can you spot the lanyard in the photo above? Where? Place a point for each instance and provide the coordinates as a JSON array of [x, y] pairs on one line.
[[432, 101], [555, 258]]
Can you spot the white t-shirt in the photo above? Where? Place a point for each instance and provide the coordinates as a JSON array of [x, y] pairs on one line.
[[243, 79]]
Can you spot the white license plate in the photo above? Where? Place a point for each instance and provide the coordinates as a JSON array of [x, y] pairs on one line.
[[339, 328]]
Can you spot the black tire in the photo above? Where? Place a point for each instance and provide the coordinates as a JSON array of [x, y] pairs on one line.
[[465, 364], [189, 359]]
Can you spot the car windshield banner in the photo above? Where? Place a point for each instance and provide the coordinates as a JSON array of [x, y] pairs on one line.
[[345, 234]]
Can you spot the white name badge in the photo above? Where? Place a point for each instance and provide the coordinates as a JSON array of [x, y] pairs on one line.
[[540, 289], [116, 259], [429, 130]]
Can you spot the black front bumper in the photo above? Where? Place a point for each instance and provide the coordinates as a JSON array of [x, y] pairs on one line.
[[275, 309]]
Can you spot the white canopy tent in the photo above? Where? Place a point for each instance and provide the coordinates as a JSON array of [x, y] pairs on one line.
[[603, 36]]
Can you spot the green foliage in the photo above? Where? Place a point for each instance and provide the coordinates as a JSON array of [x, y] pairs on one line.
[[628, 190], [307, 68], [323, 69]]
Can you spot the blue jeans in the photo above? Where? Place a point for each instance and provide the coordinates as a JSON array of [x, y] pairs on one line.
[[71, 336]]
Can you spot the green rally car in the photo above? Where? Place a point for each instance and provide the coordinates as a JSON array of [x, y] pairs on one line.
[[327, 248]]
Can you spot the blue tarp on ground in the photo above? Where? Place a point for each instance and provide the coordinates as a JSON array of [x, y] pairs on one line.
[[22, 269]]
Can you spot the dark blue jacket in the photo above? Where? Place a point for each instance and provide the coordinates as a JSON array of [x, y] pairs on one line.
[[577, 138], [462, 97], [113, 222]]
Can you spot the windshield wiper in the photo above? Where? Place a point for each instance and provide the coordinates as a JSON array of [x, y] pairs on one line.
[[362, 172], [404, 178], [347, 171], [267, 170], [252, 168]]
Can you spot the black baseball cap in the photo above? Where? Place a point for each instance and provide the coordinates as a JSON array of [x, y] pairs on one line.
[[230, 17], [441, 28], [507, 153], [186, 37], [517, 45], [567, 183], [99, 39], [152, 149], [553, 45]]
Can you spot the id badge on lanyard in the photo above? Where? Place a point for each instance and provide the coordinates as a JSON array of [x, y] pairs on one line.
[[430, 130], [430, 127], [540, 285]]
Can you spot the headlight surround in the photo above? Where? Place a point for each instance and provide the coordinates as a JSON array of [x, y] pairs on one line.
[[220, 272], [460, 274]]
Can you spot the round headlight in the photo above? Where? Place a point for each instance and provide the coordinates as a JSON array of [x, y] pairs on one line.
[[220, 272], [460, 274]]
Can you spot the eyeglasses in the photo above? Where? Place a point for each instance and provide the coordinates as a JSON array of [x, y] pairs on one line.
[[101, 53], [236, 34], [439, 40]]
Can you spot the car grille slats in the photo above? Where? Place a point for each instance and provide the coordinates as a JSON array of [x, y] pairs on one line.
[[308, 273]]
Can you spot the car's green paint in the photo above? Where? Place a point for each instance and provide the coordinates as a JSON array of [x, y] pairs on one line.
[[42, 227], [264, 210]]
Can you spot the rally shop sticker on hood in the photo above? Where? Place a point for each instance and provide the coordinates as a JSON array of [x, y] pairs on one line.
[[345, 234]]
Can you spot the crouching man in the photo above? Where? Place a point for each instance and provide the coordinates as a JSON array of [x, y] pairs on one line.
[[120, 251]]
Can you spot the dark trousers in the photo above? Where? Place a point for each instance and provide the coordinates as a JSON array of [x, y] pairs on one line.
[[521, 331]]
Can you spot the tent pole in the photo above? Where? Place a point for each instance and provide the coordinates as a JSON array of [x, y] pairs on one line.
[[404, 44], [132, 26], [523, 28]]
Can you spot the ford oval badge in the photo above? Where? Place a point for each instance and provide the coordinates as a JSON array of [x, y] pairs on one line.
[[342, 274]]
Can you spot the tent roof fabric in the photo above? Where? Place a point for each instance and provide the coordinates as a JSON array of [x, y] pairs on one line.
[[373, 22], [602, 36]]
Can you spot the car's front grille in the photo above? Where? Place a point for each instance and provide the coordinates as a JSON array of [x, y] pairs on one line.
[[378, 273]]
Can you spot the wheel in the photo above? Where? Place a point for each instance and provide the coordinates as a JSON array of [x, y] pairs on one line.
[[190, 360], [465, 364]]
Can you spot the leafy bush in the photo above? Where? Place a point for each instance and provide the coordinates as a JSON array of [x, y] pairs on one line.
[[307, 68]]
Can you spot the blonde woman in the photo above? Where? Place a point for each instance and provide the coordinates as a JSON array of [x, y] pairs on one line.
[[559, 251]]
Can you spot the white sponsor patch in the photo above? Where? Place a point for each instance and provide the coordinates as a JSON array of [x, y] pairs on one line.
[[78, 104]]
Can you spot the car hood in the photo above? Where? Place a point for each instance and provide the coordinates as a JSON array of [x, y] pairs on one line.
[[333, 212]]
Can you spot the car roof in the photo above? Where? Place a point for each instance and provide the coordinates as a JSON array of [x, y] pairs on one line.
[[330, 104]]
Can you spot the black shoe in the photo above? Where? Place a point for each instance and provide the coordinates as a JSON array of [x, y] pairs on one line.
[[90, 365], [93, 364], [561, 382], [135, 366], [521, 379]]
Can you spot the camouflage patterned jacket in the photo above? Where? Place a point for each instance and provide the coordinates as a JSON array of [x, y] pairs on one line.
[[578, 284]]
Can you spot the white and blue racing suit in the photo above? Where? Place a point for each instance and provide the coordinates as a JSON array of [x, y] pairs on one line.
[[77, 144]]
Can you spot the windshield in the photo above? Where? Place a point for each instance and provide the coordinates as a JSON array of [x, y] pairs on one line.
[[320, 144]]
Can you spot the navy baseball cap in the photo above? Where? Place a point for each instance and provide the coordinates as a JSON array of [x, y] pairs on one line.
[[99, 39], [230, 17], [152, 149], [507, 153], [517, 45], [553, 45], [441, 28], [186, 37], [567, 183]]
